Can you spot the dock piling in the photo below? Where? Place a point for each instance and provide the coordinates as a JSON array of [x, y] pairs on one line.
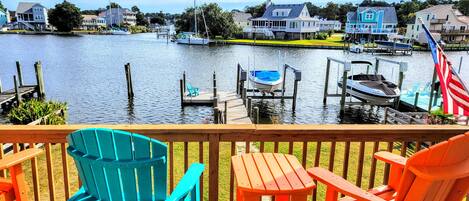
[[20, 73], [128, 73], [184, 81], [244, 95], [347, 67], [238, 72], [40, 80], [1, 88], [249, 107], [416, 101], [283, 79], [430, 104], [214, 85], [216, 115], [181, 91], [225, 112], [326, 85], [256, 115], [17, 91]]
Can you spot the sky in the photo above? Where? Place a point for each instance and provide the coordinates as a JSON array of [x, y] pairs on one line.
[[171, 6]]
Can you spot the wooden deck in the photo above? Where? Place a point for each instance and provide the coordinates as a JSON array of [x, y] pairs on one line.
[[9, 95], [236, 111]]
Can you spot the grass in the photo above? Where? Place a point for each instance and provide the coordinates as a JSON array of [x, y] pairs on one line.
[[224, 176], [335, 40]]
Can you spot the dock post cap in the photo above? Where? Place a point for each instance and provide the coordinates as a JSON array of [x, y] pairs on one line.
[[403, 66], [347, 66]]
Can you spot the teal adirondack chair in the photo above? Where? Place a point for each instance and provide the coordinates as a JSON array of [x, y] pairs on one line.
[[118, 165], [192, 91]]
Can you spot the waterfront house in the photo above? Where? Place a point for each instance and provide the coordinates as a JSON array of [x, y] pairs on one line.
[[119, 16], [242, 19], [32, 16], [284, 21], [371, 22], [329, 25], [4, 18], [93, 22], [443, 20]]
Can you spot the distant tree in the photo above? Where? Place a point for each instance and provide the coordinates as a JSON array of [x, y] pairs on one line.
[[141, 21], [157, 18], [114, 5], [373, 3], [92, 12], [343, 10], [219, 22], [463, 6], [65, 16], [2, 7], [406, 11], [331, 11], [236, 11], [256, 11], [313, 9]]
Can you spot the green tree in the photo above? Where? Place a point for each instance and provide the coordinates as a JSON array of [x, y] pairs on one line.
[[331, 11], [114, 5], [374, 3], [2, 7], [65, 16], [157, 18], [313, 9], [141, 21], [219, 22], [343, 10], [463, 6], [256, 11], [406, 11]]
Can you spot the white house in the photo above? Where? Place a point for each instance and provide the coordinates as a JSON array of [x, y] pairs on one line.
[[328, 25], [284, 21], [118, 16], [242, 19], [92, 22], [447, 23], [32, 16]]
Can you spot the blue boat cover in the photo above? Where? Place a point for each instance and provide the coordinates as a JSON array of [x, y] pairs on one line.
[[266, 75]]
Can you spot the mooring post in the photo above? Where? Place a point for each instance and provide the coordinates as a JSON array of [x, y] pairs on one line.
[[283, 79], [17, 90], [216, 115], [40, 80], [20, 73], [377, 66], [128, 74], [438, 94], [256, 115], [237, 78], [181, 91], [347, 67], [214, 85], [215, 101], [402, 69], [184, 83], [249, 107], [295, 89], [244, 96], [1, 88], [460, 65], [416, 101], [430, 104], [386, 113], [225, 113], [326, 85]]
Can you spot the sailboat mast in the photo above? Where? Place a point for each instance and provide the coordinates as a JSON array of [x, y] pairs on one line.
[[110, 11], [195, 17]]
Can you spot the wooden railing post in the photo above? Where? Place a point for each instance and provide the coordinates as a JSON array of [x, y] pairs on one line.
[[214, 143]]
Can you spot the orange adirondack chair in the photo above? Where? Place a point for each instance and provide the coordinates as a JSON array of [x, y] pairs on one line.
[[439, 173], [15, 188]]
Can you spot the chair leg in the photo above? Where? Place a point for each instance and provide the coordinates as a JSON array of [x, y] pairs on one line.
[[239, 195], [195, 194], [331, 194], [299, 197], [19, 184]]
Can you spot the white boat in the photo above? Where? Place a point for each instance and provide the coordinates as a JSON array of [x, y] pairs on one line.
[[357, 48], [191, 38], [266, 80], [371, 88], [119, 32]]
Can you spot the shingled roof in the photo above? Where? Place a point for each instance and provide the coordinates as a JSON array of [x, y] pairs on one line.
[[23, 7], [295, 11], [390, 15]]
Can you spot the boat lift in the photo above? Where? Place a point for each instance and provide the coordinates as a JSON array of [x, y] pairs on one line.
[[243, 90], [346, 69]]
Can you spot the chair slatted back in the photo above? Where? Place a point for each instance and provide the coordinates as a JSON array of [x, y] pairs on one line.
[[447, 163], [118, 165]]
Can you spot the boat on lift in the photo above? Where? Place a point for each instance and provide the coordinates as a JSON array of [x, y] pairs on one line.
[[266, 81], [371, 88], [396, 42]]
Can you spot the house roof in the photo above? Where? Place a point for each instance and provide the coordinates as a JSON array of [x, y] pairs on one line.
[[295, 12], [441, 11], [241, 16], [390, 15], [26, 6], [89, 17]]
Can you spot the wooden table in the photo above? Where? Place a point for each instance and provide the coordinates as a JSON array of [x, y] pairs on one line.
[[271, 174]]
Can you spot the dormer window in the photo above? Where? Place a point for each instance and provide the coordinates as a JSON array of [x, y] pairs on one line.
[[368, 16]]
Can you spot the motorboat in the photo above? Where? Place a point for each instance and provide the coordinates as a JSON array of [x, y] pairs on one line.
[[266, 81], [372, 88], [357, 48], [119, 32], [395, 42], [191, 38]]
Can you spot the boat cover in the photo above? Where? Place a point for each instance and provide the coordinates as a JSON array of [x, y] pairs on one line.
[[376, 82], [266, 75]]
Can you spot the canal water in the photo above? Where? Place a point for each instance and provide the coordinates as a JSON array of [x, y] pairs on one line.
[[87, 72]]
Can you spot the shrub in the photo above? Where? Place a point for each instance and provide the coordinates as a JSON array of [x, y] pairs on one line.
[[439, 117], [35, 109], [321, 36]]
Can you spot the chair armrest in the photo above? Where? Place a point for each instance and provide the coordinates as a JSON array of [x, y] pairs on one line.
[[391, 158], [17, 158], [187, 183], [341, 185]]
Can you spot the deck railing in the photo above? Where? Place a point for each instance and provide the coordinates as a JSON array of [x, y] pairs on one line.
[[345, 149]]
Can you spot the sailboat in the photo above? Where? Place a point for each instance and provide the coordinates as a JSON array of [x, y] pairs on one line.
[[192, 38]]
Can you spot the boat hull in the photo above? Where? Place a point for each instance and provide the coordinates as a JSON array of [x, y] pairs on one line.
[[394, 45], [266, 85], [120, 33], [193, 41], [365, 94]]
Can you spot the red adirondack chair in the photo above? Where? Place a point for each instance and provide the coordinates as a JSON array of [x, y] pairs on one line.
[[439, 173], [15, 188]]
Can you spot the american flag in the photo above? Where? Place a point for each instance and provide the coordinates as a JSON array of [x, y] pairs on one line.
[[454, 91]]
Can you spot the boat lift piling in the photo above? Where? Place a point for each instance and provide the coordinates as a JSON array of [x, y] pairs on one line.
[[346, 69], [128, 76], [243, 91]]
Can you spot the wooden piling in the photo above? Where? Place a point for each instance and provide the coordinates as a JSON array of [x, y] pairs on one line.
[[184, 83], [347, 66], [377, 66], [225, 113], [17, 91], [283, 79], [20, 73], [1, 88], [40, 80], [244, 96], [237, 78], [215, 101], [181, 91], [128, 73], [430, 104], [416, 101], [249, 107], [326, 85], [256, 115], [214, 85], [216, 113], [295, 94]]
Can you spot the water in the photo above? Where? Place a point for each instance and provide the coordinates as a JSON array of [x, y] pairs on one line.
[[87, 72]]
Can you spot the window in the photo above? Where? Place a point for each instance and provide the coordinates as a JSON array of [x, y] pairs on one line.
[[428, 17], [303, 24], [447, 17], [417, 27], [368, 16]]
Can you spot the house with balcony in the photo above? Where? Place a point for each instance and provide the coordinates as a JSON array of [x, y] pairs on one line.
[[32, 16], [371, 22], [444, 21], [329, 25], [119, 16], [284, 21], [92, 22]]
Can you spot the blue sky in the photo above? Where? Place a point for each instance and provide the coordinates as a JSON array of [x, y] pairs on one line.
[[172, 6]]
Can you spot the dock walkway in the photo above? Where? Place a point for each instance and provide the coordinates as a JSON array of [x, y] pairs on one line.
[[7, 97]]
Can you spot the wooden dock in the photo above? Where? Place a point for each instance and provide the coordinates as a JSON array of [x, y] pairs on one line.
[[9, 96]]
